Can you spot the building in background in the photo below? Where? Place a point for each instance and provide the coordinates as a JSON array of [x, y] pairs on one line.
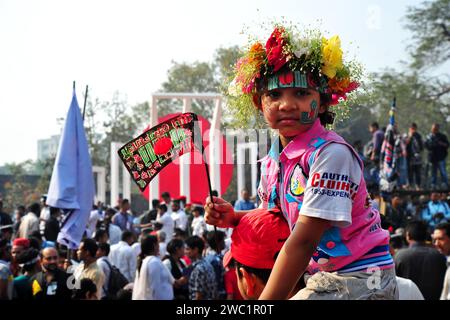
[[47, 148]]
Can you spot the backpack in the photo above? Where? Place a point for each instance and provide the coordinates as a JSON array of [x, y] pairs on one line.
[[116, 281]]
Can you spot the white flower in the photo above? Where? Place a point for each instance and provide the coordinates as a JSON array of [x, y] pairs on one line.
[[234, 89], [301, 51]]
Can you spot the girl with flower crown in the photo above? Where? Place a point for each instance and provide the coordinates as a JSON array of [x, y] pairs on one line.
[[312, 174]]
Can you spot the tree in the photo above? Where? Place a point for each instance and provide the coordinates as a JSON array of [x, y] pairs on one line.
[[430, 25], [18, 190]]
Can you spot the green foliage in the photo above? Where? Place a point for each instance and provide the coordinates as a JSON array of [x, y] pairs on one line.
[[430, 25], [18, 190]]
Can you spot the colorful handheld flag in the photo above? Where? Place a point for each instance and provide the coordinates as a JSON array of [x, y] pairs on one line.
[[145, 156], [72, 183]]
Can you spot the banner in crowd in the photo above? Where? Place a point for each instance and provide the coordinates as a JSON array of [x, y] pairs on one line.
[[388, 174], [72, 182], [145, 156]]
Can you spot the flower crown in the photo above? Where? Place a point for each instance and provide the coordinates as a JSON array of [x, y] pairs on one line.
[[293, 59]]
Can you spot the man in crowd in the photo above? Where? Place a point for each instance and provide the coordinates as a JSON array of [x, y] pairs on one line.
[[52, 282], [30, 222], [422, 264], [245, 203], [147, 218], [52, 225], [396, 214], [377, 141], [435, 211], [44, 216], [414, 148], [179, 216], [88, 268], [122, 256], [441, 241], [198, 224], [202, 280], [166, 221], [167, 200], [19, 245], [437, 145], [256, 242], [104, 265], [6, 276], [123, 219], [114, 232], [216, 243]]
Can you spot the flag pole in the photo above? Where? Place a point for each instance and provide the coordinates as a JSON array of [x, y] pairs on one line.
[[85, 100], [216, 236]]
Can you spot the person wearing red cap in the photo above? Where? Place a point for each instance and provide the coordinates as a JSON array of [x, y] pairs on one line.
[[255, 244], [19, 245]]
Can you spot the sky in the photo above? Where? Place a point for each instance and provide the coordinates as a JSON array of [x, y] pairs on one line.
[[128, 46]]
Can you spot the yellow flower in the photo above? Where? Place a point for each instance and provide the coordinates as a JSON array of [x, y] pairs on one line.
[[332, 56]]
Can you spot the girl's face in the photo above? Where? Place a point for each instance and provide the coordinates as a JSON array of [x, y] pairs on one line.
[[290, 110]]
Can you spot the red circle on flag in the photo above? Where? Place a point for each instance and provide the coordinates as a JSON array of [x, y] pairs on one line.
[[163, 145]]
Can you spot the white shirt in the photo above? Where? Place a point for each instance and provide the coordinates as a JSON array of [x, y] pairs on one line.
[[106, 271], [168, 225], [122, 256], [198, 226], [28, 225], [445, 295], [92, 223], [408, 290], [180, 219], [162, 249], [44, 216], [115, 233], [136, 249], [153, 282]]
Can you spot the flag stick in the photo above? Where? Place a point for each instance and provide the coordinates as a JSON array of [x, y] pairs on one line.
[[210, 193], [85, 100]]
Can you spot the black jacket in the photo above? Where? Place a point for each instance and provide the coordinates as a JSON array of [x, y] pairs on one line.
[[425, 266], [436, 151], [63, 292]]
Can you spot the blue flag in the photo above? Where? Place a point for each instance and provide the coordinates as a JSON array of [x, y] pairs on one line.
[[72, 183]]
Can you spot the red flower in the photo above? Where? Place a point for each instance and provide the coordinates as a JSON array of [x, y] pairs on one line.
[[163, 145], [274, 49]]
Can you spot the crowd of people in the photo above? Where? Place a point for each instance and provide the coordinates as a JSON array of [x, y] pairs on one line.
[[413, 171], [168, 252]]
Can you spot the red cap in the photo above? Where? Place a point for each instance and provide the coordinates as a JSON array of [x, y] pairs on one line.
[[21, 242], [257, 239]]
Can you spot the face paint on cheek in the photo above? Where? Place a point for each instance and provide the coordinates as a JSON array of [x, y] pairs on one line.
[[310, 117]]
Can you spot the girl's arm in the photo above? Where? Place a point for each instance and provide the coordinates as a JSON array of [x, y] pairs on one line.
[[294, 257]]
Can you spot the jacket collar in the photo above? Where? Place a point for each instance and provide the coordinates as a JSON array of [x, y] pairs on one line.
[[299, 144]]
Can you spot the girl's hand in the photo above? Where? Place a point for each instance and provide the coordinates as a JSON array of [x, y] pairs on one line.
[[220, 213]]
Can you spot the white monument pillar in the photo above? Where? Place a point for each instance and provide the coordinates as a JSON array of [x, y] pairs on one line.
[[154, 184], [185, 159], [240, 154], [114, 173], [101, 183], [215, 147]]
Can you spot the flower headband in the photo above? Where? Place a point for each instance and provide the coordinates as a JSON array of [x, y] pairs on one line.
[[293, 59]]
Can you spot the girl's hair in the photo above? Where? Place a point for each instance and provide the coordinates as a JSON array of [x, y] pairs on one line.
[[174, 245], [326, 117], [148, 248], [86, 286]]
